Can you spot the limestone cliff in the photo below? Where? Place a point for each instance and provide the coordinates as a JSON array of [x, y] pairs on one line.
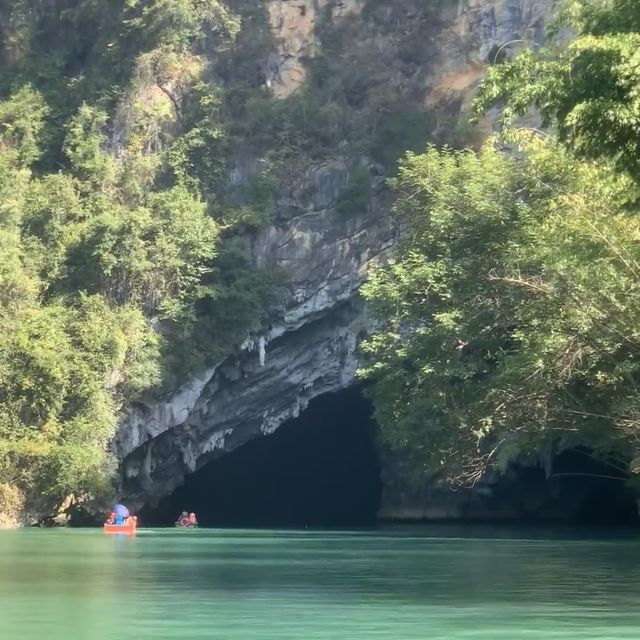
[[309, 346], [310, 349], [464, 37], [293, 25]]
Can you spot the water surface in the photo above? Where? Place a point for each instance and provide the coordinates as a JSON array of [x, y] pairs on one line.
[[401, 584]]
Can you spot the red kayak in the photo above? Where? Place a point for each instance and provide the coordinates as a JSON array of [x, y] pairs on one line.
[[127, 527]]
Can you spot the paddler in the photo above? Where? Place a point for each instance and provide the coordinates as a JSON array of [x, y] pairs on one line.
[[121, 513]]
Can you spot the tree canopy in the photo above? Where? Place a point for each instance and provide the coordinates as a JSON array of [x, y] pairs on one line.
[[585, 87], [510, 312]]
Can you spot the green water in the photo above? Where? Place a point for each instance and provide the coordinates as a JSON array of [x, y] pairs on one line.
[[411, 584]]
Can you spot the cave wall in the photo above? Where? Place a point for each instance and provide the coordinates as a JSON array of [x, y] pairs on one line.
[[566, 486], [309, 346]]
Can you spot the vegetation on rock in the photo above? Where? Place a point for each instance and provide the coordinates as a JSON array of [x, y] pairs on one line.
[[122, 262], [115, 278], [510, 314], [585, 89]]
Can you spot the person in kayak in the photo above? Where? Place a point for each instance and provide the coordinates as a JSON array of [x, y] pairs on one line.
[[121, 514], [183, 520], [193, 521]]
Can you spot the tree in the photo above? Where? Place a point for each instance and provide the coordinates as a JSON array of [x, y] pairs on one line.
[[585, 87], [510, 314]]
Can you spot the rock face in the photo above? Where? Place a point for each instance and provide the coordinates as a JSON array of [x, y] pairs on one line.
[[565, 486], [311, 346], [293, 24], [309, 350], [468, 34]]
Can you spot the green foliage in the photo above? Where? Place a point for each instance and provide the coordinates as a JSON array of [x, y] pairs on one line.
[[510, 315], [399, 129], [586, 89], [76, 52], [152, 256], [356, 197], [83, 145], [114, 280], [64, 367], [21, 120], [301, 123], [354, 101], [178, 22], [197, 158]]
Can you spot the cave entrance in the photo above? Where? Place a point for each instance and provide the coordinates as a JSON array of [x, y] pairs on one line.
[[594, 492], [320, 469]]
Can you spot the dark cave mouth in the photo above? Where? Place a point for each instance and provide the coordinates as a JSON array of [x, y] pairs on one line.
[[318, 470], [322, 469], [592, 491]]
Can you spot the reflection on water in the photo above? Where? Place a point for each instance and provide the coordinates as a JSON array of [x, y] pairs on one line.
[[401, 584]]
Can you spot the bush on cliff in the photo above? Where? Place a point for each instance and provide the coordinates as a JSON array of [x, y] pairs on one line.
[[110, 148]]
